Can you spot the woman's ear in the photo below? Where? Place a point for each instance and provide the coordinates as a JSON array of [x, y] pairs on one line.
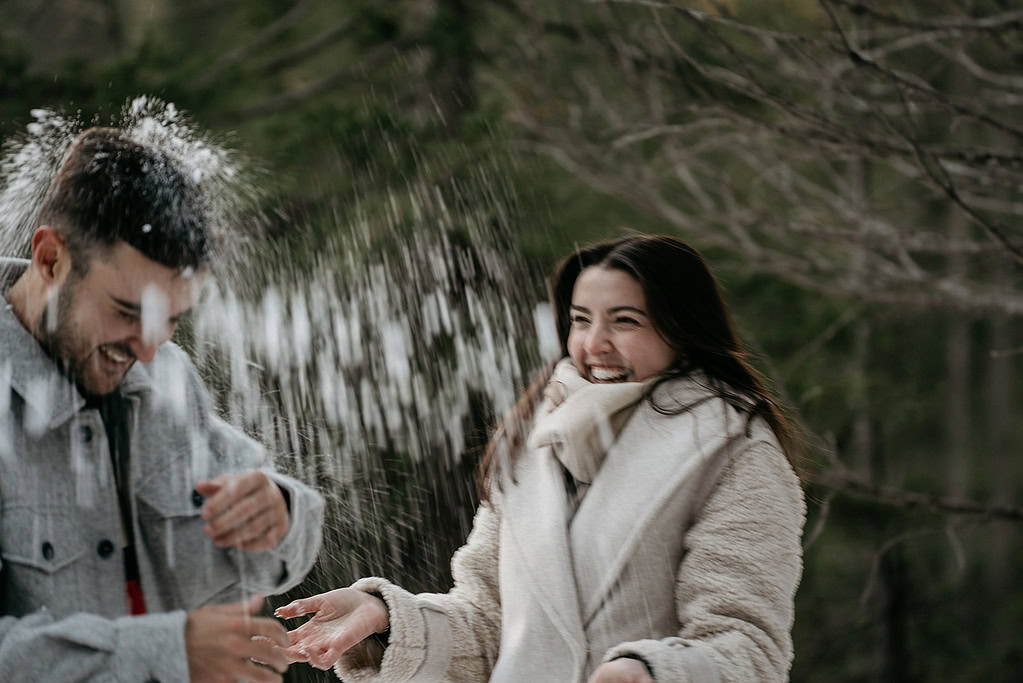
[[50, 256]]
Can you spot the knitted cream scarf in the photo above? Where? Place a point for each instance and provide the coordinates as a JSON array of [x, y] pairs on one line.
[[582, 420]]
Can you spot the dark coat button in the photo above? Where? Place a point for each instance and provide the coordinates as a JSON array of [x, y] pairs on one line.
[[47, 551], [85, 431], [197, 499], [105, 548]]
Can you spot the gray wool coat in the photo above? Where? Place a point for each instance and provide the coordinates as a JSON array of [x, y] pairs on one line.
[[63, 609], [685, 552]]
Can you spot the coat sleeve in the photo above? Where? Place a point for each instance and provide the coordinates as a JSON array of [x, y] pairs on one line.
[[452, 636], [736, 583], [230, 450]]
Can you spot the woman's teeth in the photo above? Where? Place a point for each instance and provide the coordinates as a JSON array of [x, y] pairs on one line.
[[609, 374]]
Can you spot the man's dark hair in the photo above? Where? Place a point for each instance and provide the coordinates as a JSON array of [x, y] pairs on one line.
[[113, 189]]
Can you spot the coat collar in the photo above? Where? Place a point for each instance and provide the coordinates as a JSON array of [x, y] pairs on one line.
[[657, 459], [644, 469], [33, 375]]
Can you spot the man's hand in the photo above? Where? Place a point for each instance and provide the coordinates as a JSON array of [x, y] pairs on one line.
[[341, 620], [623, 670], [222, 643], [245, 510]]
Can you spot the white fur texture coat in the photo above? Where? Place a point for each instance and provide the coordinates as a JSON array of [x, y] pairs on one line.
[[685, 552]]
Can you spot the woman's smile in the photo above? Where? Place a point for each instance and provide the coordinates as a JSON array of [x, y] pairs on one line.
[[605, 373]]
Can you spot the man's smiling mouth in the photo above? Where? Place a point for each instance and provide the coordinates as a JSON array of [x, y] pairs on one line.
[[114, 356]]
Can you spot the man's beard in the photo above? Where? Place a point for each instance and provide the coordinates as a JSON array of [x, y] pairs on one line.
[[62, 340]]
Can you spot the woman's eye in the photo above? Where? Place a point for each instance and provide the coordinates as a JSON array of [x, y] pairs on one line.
[[625, 320], [579, 320], [128, 316]]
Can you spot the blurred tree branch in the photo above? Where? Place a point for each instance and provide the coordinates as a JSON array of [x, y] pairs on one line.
[[307, 91], [307, 49], [266, 35], [850, 484], [701, 133]]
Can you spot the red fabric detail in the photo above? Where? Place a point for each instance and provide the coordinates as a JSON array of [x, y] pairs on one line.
[[135, 601]]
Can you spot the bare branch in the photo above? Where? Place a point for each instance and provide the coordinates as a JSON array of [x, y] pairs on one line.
[[1007, 21], [818, 342], [706, 17], [886, 547], [307, 49], [977, 71], [862, 59], [285, 101], [851, 485], [265, 35], [820, 523]]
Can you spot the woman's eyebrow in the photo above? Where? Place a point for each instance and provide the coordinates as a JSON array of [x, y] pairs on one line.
[[633, 309], [579, 308]]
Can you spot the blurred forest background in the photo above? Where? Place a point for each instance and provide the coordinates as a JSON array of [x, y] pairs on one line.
[[853, 171]]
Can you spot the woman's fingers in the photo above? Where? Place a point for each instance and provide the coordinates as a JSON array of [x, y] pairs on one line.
[[309, 632], [325, 659], [343, 619], [297, 608]]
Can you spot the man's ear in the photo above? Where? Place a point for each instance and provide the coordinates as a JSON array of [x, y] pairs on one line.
[[50, 256]]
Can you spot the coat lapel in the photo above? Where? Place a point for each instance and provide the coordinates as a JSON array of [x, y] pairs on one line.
[[536, 519]]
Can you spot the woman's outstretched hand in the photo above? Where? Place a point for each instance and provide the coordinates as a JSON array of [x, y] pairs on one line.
[[342, 619]]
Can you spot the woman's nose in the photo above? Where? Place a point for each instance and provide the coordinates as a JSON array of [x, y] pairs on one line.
[[597, 341]]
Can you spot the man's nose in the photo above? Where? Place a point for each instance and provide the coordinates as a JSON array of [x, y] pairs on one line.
[[144, 350]]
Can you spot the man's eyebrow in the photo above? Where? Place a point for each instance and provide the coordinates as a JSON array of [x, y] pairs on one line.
[[130, 305], [136, 308]]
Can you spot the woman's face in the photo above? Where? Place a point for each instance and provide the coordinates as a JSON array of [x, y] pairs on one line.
[[612, 338]]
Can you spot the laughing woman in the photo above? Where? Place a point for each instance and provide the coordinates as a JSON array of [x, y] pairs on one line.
[[641, 514]]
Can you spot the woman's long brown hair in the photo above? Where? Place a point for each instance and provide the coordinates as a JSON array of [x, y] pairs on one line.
[[686, 306]]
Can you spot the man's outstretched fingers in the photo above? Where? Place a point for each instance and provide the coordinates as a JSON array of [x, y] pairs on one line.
[[252, 604], [268, 642], [254, 673], [296, 654], [264, 651], [269, 629], [219, 643]]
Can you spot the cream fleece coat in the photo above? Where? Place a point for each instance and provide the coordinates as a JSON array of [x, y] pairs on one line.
[[685, 552]]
